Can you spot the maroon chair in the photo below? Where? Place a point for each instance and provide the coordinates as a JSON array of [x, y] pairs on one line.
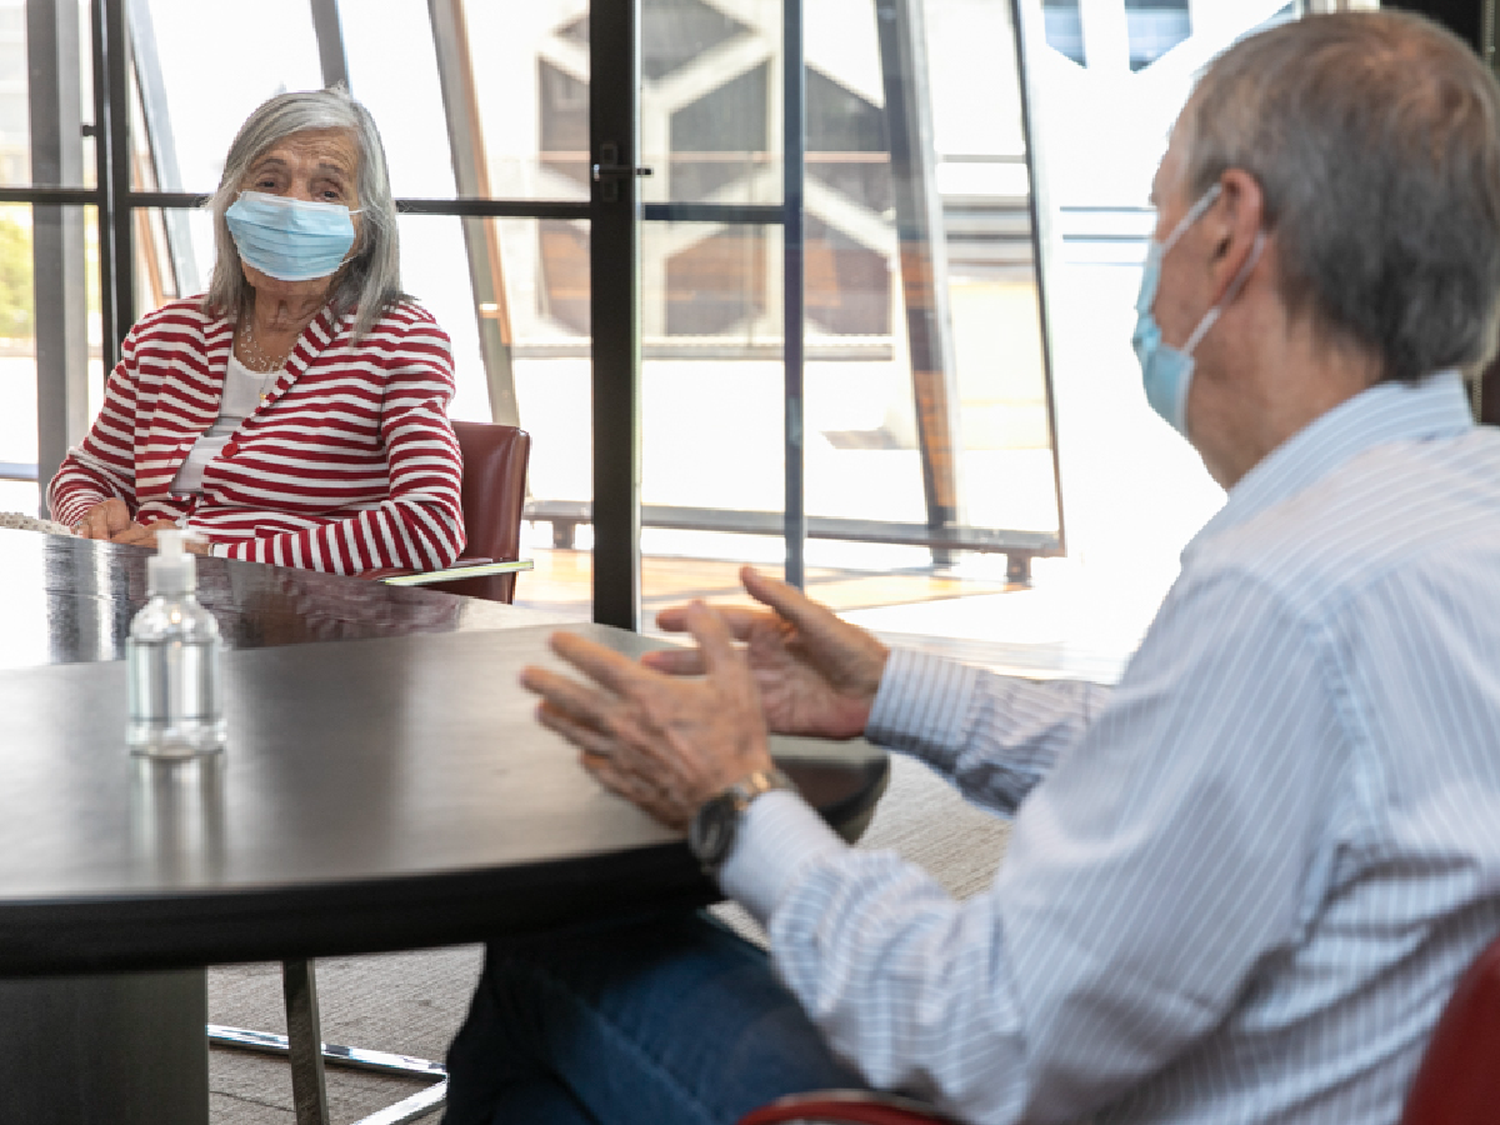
[[1458, 1082], [845, 1107], [493, 497]]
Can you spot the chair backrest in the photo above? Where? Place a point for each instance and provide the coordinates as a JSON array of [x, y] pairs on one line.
[[1459, 1080], [845, 1107], [494, 496]]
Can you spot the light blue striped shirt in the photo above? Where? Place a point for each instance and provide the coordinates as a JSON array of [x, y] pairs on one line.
[[1242, 883]]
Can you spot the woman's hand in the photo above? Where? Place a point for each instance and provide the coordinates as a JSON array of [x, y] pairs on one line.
[[144, 535], [817, 675], [110, 520], [105, 520], [665, 744]]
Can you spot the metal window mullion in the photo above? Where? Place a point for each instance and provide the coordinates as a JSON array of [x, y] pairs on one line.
[[1487, 34], [108, 315], [60, 316], [112, 142], [329, 33], [794, 147], [500, 208], [614, 254]]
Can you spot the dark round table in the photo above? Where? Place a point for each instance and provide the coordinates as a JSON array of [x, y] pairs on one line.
[[385, 788]]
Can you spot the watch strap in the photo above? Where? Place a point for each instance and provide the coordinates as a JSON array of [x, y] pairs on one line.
[[714, 827], [747, 788]]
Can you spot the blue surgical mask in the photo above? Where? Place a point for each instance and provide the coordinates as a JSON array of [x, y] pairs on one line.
[[290, 239], [1167, 372]]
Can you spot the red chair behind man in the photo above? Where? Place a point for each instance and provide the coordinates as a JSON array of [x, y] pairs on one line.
[[1457, 1084]]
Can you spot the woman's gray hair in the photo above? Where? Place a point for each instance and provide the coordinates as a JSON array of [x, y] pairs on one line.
[[371, 279], [1375, 138]]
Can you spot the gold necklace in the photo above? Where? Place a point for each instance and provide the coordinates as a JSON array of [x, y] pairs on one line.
[[256, 358]]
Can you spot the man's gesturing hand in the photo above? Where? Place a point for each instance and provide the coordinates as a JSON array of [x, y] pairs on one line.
[[665, 744], [817, 675]]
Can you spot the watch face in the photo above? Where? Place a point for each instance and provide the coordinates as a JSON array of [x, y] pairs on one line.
[[712, 830]]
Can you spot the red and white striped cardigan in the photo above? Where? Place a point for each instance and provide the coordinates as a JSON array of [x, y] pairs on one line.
[[349, 463]]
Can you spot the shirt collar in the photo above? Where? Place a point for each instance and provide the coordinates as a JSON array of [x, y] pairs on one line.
[[1435, 407]]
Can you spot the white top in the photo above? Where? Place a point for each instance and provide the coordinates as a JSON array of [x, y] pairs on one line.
[[243, 391], [1242, 884]]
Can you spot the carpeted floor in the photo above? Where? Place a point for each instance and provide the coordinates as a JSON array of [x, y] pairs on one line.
[[403, 1003], [411, 1003]]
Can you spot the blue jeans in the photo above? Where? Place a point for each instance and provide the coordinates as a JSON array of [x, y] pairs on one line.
[[658, 1020]]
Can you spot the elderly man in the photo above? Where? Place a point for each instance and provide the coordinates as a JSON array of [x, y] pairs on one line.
[[1241, 884]]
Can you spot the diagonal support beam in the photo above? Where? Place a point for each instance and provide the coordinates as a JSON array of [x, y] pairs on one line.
[[472, 178], [922, 253]]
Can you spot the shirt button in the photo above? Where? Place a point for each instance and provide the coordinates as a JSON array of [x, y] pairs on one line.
[[231, 449]]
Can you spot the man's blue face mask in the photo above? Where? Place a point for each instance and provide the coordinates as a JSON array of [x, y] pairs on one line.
[[1167, 372], [290, 239]]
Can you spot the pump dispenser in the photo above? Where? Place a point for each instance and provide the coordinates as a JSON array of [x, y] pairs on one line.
[[172, 662]]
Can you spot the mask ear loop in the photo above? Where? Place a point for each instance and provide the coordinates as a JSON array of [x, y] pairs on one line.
[[1195, 212], [1212, 316]]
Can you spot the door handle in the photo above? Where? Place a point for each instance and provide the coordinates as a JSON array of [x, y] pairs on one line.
[[608, 172]]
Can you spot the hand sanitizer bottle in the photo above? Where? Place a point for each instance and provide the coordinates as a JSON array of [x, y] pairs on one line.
[[172, 662]]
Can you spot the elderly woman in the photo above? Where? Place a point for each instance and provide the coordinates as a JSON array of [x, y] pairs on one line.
[[296, 413]]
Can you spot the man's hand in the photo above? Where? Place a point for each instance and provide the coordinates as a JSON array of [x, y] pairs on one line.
[[663, 743], [817, 675]]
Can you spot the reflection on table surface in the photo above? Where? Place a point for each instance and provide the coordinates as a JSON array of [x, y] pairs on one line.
[[70, 601]]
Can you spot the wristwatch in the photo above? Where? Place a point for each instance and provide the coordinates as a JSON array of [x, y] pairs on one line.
[[712, 831]]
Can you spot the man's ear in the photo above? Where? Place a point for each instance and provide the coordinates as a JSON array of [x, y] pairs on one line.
[[1233, 222]]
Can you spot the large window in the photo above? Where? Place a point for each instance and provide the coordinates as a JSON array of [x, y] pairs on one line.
[[934, 440], [914, 395]]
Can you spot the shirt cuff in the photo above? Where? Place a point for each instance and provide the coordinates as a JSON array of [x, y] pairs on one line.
[[777, 835], [70, 511], [922, 705]]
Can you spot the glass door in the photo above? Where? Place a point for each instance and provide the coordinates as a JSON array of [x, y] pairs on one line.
[[843, 373]]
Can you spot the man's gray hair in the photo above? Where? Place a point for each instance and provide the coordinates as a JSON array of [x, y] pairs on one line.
[[1375, 138], [371, 279]]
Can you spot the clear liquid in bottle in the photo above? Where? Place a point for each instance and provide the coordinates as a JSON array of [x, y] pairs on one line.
[[176, 709]]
